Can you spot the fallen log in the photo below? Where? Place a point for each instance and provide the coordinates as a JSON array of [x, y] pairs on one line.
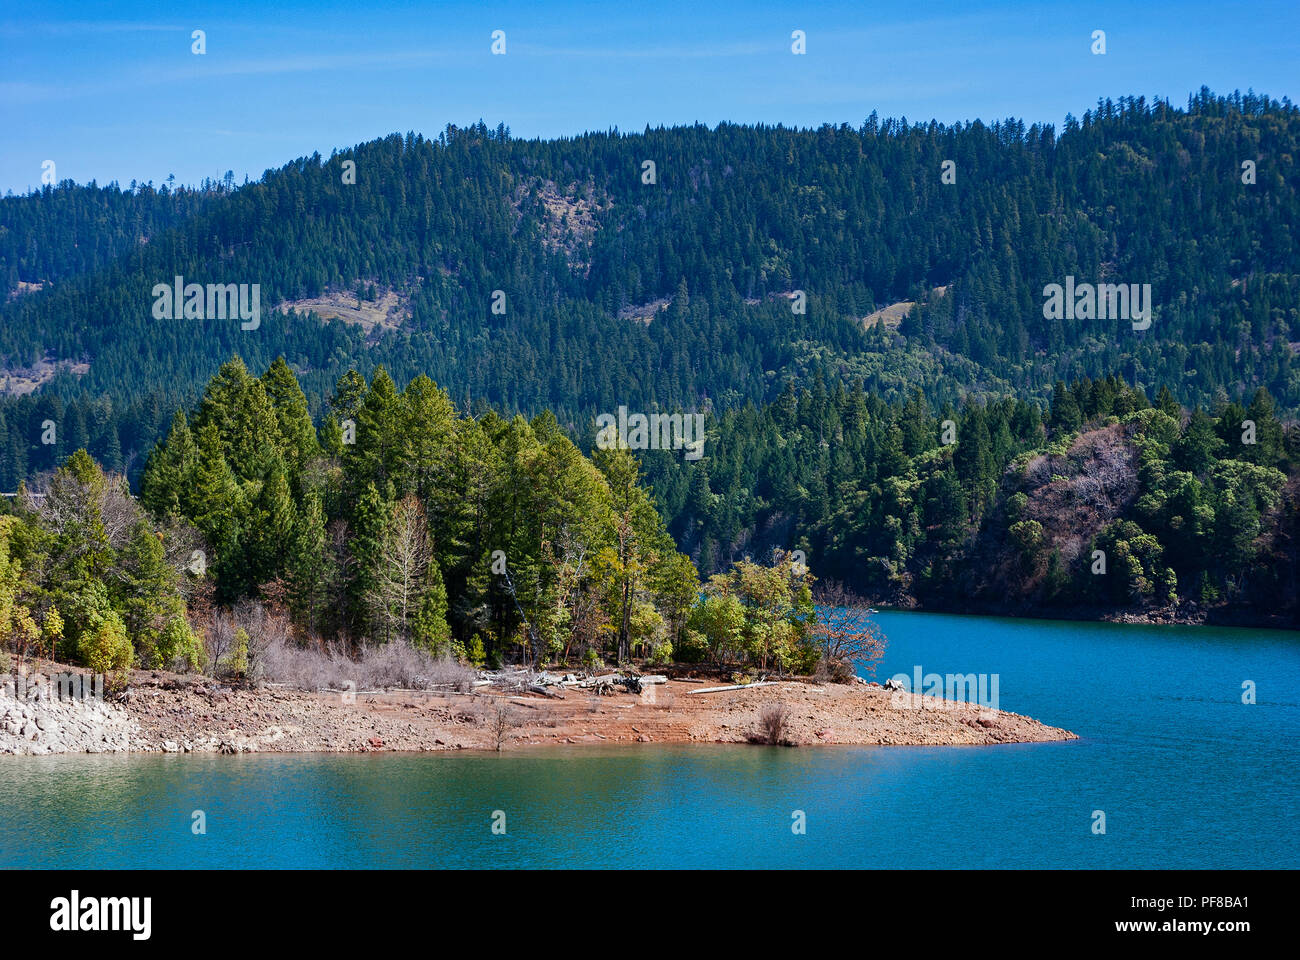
[[734, 686], [592, 681]]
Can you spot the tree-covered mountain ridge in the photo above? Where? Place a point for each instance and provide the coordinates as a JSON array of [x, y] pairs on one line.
[[1102, 504], [656, 269]]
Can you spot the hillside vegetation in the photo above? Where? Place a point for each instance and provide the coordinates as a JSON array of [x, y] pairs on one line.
[[736, 220]]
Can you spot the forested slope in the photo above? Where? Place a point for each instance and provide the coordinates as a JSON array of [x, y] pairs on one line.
[[619, 291], [832, 298]]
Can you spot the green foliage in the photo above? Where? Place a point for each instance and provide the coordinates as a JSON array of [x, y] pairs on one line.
[[475, 655], [430, 629], [1028, 537], [888, 511], [178, 646], [717, 623], [235, 663], [761, 613], [104, 647], [850, 215]]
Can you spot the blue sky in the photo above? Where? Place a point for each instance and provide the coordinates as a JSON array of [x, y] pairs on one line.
[[112, 91]]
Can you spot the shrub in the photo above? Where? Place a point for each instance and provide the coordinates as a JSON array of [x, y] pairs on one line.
[[502, 721], [105, 649], [1016, 505], [475, 653], [1028, 537], [395, 664], [804, 657], [833, 671], [771, 725], [235, 663], [178, 647]]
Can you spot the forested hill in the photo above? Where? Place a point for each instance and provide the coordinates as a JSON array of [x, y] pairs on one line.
[[676, 292], [1102, 504]]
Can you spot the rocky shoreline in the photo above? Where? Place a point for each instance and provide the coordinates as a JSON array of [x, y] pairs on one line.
[[33, 720], [163, 712]]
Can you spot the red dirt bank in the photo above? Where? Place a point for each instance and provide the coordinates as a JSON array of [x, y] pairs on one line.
[[184, 713]]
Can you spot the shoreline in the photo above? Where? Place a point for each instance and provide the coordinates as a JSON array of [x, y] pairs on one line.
[[173, 713], [1184, 614]]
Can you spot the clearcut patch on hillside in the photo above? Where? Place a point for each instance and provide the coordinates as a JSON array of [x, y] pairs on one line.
[[24, 287], [568, 217], [20, 381], [892, 315], [388, 311], [644, 313]]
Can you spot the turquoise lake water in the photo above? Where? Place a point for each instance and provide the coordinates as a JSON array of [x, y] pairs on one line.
[[1186, 774]]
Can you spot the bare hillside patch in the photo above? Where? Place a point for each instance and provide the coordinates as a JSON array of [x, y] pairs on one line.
[[387, 312], [21, 381], [1076, 495], [891, 316], [643, 313], [568, 216]]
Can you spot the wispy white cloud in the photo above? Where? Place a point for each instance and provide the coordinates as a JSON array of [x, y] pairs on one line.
[[70, 27], [310, 63], [209, 66], [704, 51]]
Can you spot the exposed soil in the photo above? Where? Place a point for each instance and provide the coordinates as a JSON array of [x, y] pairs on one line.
[[25, 380], [388, 312], [182, 713]]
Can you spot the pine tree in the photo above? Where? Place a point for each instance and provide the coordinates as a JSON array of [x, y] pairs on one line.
[[294, 421], [376, 456], [269, 542], [1199, 446], [169, 473], [429, 627], [365, 546], [310, 567], [217, 508], [146, 592]]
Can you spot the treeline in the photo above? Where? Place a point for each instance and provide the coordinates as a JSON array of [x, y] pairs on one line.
[[39, 431], [489, 539], [673, 293], [399, 520], [86, 576], [999, 505], [68, 230]]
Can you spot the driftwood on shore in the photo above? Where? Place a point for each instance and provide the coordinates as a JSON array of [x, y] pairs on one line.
[[733, 686], [628, 679], [552, 686]]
